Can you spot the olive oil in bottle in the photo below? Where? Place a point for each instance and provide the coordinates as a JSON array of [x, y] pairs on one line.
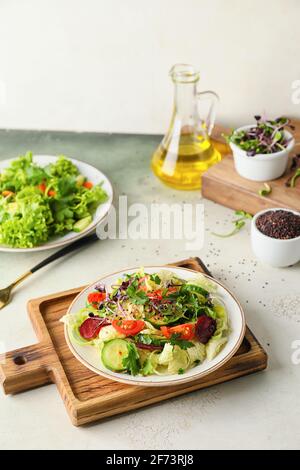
[[182, 169], [186, 151]]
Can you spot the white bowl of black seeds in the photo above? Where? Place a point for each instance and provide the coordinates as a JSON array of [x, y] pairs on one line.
[[275, 237]]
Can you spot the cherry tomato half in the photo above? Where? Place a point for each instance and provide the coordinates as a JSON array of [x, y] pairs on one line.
[[171, 290], [88, 184], [186, 331], [42, 187], [128, 327], [96, 297], [155, 295]]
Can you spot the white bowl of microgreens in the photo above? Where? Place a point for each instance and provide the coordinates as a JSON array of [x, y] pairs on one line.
[[261, 150]]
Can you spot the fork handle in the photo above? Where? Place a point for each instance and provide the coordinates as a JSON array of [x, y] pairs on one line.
[[65, 251]]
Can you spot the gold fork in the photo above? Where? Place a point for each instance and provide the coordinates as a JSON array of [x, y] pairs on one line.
[[5, 294]]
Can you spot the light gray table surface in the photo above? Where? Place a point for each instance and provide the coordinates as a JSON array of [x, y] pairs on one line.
[[258, 411]]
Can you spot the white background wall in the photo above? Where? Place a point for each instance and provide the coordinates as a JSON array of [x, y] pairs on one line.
[[103, 64]]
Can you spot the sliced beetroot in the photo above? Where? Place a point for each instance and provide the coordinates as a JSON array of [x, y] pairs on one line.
[[205, 328], [90, 328]]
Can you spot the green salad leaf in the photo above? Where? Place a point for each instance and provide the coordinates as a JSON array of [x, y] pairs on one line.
[[149, 339], [182, 343], [220, 337], [148, 368], [132, 361], [135, 295], [62, 167], [27, 225], [155, 278]]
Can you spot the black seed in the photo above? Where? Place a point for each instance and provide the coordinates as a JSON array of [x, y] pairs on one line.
[[279, 224]]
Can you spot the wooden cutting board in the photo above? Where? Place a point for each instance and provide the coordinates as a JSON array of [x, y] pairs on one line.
[[87, 396], [223, 185]]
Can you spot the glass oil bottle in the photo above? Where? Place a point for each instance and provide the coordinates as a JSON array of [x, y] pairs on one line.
[[186, 151]]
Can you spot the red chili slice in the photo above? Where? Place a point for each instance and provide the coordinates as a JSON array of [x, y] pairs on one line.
[[90, 328], [205, 328]]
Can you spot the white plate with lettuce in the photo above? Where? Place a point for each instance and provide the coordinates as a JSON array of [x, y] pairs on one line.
[[49, 201], [154, 326]]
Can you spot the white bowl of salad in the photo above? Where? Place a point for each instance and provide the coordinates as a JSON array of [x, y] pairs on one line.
[[154, 326]]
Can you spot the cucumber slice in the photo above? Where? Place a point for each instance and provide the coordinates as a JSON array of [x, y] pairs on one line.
[[82, 224], [113, 353], [80, 180]]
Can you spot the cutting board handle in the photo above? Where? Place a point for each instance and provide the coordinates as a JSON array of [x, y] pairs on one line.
[[25, 368]]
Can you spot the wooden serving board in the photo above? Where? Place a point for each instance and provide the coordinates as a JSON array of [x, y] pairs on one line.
[[87, 396], [222, 184]]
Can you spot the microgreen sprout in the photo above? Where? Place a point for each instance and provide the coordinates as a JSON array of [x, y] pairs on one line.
[[239, 223], [295, 168], [295, 176], [265, 137], [266, 190]]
